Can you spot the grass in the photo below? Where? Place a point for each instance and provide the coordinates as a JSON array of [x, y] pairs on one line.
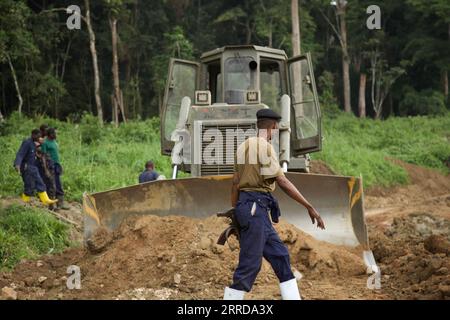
[[97, 159], [27, 232], [94, 158], [353, 146]]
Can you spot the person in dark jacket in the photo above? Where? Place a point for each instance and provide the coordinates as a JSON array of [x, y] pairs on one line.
[[149, 174], [26, 164]]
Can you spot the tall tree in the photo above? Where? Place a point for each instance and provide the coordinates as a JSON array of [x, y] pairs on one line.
[[296, 40], [340, 30], [341, 7], [16, 82], [362, 95], [116, 8], [93, 50], [382, 76]]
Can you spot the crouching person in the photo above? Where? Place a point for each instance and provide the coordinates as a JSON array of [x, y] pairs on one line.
[[26, 163]]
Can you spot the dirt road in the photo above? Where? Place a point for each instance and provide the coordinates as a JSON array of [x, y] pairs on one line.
[[176, 257]]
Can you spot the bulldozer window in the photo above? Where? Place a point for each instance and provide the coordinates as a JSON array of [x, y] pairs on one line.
[[238, 78], [182, 84], [215, 81], [270, 84], [306, 116]]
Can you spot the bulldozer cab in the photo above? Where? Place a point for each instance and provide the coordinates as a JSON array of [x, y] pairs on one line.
[[243, 76]]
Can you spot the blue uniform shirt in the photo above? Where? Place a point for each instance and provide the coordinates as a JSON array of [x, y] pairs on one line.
[[26, 154], [147, 176]]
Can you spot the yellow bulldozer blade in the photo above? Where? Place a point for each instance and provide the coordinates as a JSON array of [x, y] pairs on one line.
[[338, 199]]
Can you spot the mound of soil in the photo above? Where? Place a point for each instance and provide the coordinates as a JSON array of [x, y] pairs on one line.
[[174, 257], [414, 256], [320, 167], [424, 184], [177, 257]]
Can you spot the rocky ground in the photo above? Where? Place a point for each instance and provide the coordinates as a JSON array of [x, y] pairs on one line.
[[176, 257]]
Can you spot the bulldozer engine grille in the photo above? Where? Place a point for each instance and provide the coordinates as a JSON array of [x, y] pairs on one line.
[[226, 152]]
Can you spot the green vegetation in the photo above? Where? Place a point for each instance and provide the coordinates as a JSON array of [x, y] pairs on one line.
[[27, 233], [51, 67], [94, 158], [355, 146], [98, 159]]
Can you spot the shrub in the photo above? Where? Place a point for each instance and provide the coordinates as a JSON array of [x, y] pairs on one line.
[[425, 102]]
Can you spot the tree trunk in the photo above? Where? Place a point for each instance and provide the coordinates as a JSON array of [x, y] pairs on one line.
[[270, 36], [362, 95], [3, 99], [66, 54], [117, 100], [296, 46], [3, 92], [345, 59], [248, 29], [445, 75], [16, 83], [93, 50], [373, 63], [297, 90]]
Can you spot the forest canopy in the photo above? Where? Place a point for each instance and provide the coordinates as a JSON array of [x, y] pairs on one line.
[[48, 69]]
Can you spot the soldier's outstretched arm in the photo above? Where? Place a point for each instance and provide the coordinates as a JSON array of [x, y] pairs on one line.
[[295, 194]]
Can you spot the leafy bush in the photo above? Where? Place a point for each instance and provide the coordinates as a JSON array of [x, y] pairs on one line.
[[328, 102], [90, 129], [425, 102]]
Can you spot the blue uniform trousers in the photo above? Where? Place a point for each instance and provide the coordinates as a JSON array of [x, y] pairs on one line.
[[58, 183], [258, 239], [32, 180]]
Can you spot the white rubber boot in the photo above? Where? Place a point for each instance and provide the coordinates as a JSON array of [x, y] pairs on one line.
[[289, 290], [233, 294]]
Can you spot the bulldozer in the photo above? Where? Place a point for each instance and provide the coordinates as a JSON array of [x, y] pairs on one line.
[[209, 108]]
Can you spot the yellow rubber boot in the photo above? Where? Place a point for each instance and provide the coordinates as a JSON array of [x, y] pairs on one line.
[[45, 199], [25, 198]]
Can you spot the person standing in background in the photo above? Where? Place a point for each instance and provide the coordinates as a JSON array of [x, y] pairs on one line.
[[50, 146], [43, 129], [46, 166], [26, 164]]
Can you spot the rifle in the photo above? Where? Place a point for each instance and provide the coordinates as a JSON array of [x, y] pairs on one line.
[[233, 228]]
